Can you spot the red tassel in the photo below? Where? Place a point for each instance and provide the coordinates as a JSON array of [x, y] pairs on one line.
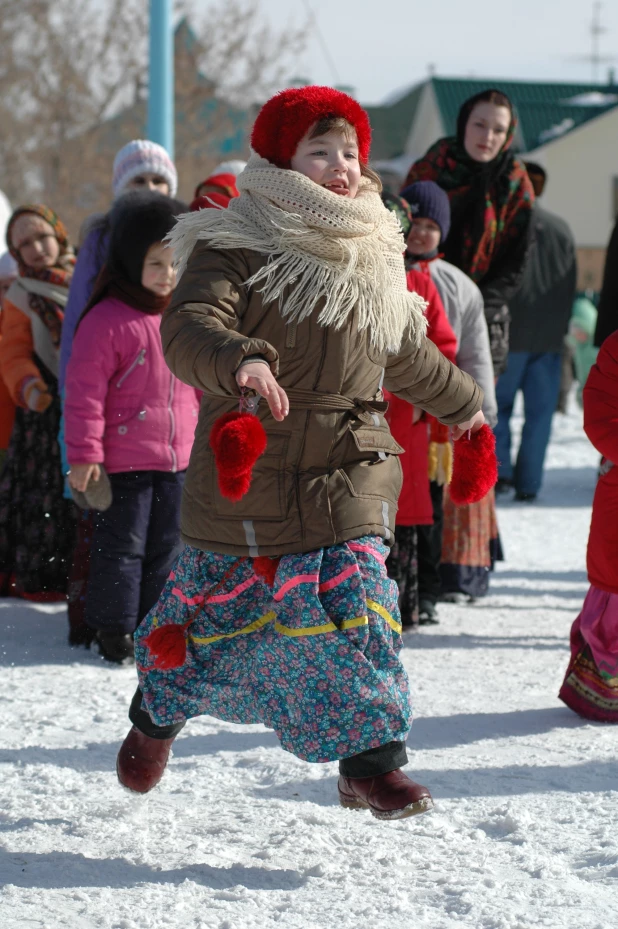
[[266, 568], [238, 440], [475, 468], [168, 645]]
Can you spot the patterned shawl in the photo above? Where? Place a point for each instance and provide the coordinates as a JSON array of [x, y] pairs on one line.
[[47, 309], [491, 203]]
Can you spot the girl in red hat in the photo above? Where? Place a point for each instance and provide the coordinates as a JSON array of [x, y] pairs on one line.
[[280, 609]]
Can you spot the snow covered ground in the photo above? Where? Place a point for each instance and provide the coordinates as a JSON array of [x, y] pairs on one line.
[[241, 835]]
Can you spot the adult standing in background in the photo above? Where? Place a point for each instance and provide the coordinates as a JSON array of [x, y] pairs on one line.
[[491, 199], [540, 314]]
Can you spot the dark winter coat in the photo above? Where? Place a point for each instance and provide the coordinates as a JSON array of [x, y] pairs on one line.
[[607, 320], [541, 309], [329, 474]]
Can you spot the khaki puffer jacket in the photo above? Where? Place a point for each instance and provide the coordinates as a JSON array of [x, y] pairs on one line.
[[330, 472]]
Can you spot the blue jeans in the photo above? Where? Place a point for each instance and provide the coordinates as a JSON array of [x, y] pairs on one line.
[[537, 375]]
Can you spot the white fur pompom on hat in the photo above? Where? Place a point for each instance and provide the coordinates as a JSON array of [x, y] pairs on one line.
[[230, 167], [143, 157]]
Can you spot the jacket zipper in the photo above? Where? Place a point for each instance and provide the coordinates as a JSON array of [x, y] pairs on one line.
[[138, 361], [290, 341], [172, 424]]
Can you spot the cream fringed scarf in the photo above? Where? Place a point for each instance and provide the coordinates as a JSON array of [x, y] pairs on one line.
[[346, 255]]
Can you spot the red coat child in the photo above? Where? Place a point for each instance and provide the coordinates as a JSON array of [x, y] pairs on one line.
[[415, 507], [601, 427]]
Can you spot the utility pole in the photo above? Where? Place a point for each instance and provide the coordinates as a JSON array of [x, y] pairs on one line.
[[160, 126], [596, 31]]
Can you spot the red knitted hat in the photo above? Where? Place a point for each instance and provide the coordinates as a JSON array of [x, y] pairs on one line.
[[286, 117]]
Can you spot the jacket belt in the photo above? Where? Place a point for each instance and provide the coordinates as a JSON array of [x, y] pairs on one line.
[[310, 400]]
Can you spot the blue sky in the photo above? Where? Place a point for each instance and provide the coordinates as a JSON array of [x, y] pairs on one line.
[[379, 46]]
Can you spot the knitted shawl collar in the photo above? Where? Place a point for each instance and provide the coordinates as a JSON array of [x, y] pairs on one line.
[[326, 253]]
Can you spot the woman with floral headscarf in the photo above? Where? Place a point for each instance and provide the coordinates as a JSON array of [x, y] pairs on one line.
[[491, 198], [36, 523]]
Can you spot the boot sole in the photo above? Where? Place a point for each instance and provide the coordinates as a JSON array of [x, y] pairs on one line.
[[140, 793], [413, 809]]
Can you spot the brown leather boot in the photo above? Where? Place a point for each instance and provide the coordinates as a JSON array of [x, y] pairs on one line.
[[141, 761], [388, 796]]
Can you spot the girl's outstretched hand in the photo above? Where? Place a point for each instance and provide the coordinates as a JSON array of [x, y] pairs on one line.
[[80, 474], [259, 377], [471, 425]]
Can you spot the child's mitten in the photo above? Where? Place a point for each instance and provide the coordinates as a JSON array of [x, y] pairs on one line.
[[475, 468], [238, 440], [35, 394]]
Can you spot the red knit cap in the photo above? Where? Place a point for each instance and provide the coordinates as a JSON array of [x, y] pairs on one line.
[[286, 117]]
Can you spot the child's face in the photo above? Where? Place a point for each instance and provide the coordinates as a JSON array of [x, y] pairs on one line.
[[330, 160], [158, 274], [36, 241], [148, 181], [424, 236]]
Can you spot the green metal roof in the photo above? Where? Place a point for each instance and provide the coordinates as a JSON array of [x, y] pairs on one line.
[[391, 124], [546, 110]]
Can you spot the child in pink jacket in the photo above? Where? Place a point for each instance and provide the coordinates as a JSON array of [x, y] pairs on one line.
[[125, 410]]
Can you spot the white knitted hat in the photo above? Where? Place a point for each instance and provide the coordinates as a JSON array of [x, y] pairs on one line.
[[229, 167], [139, 157]]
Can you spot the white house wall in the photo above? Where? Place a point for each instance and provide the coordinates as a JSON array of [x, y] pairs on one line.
[[427, 126], [581, 168]]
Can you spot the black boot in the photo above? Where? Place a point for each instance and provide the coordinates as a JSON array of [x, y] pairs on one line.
[[427, 613], [116, 648], [81, 635]]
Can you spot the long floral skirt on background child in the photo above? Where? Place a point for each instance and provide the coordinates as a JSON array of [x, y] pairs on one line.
[[590, 686], [470, 546], [315, 657]]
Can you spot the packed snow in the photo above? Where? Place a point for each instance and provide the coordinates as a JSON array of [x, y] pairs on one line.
[[241, 835]]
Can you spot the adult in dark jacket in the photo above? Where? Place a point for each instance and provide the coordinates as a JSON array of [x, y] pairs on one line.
[[491, 199], [540, 314], [607, 320]]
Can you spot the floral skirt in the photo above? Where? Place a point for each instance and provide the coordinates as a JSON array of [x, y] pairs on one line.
[[470, 546], [590, 686], [314, 657]]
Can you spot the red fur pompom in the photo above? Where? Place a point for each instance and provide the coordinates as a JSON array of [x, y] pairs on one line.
[[238, 440], [475, 468], [266, 568], [168, 645]]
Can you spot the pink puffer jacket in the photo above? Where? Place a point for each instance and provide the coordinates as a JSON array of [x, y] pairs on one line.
[[123, 406]]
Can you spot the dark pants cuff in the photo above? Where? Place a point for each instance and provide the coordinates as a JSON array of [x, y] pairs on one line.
[[375, 761], [142, 721]]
